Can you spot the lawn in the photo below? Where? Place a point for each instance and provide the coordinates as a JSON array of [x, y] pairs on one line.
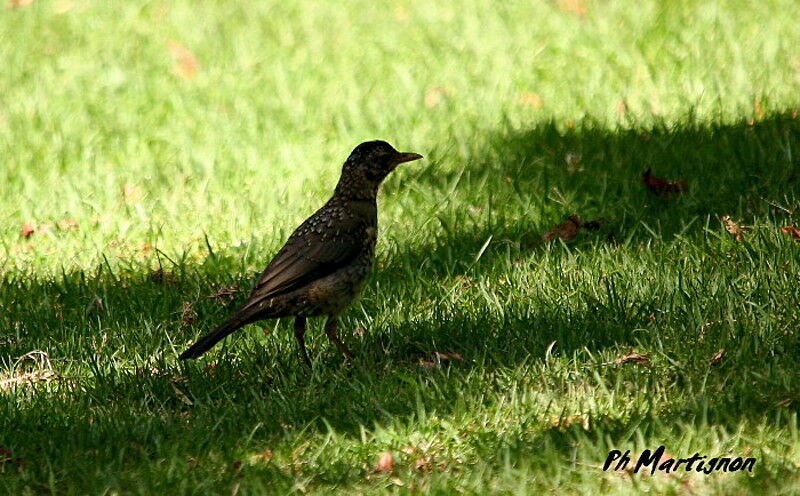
[[155, 155]]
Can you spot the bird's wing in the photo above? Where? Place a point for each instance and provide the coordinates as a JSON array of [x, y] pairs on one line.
[[314, 250]]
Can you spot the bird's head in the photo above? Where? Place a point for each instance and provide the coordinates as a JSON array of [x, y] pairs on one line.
[[368, 164]]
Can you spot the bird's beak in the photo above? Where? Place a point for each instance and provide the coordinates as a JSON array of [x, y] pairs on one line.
[[407, 157]]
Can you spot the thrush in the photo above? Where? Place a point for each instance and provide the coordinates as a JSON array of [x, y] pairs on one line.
[[324, 263]]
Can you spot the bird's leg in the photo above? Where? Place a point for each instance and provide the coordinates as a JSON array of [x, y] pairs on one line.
[[299, 331], [330, 330]]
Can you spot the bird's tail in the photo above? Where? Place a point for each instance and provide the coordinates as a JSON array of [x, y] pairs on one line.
[[206, 342]]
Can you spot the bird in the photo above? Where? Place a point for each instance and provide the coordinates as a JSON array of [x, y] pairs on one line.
[[324, 263]]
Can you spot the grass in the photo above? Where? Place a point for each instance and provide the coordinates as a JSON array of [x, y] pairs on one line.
[[162, 151]]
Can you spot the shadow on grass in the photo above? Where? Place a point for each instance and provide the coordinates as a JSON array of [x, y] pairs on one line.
[[520, 185]]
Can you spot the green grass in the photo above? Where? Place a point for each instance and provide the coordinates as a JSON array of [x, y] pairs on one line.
[[202, 179]]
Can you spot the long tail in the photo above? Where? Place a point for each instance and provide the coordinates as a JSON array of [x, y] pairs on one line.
[[206, 342]]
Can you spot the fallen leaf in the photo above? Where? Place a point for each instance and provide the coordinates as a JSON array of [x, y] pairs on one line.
[[621, 108], [633, 357], [568, 229], [791, 231], [662, 187], [530, 99], [734, 228], [186, 63], [27, 230], [18, 4], [188, 315], [717, 356], [434, 96], [159, 276], [574, 6], [385, 463], [423, 463]]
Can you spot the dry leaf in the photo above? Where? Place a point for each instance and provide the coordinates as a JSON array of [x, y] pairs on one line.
[[717, 356], [159, 276], [734, 228], [530, 99], [791, 231], [662, 187], [568, 229], [18, 4], [188, 315], [27, 230], [186, 63], [621, 108], [574, 6], [434, 96], [423, 463], [633, 357], [385, 463]]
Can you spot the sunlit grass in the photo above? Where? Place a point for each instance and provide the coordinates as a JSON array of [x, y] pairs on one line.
[[152, 182]]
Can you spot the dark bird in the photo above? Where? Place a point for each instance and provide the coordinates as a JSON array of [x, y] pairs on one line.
[[322, 267]]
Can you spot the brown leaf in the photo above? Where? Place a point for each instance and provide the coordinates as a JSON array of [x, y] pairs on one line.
[[662, 187], [791, 231], [434, 96], [621, 108], [188, 315], [385, 463], [186, 63], [574, 6], [530, 99], [568, 229], [633, 357], [27, 230], [18, 4], [159, 276], [717, 356], [423, 463], [734, 228]]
